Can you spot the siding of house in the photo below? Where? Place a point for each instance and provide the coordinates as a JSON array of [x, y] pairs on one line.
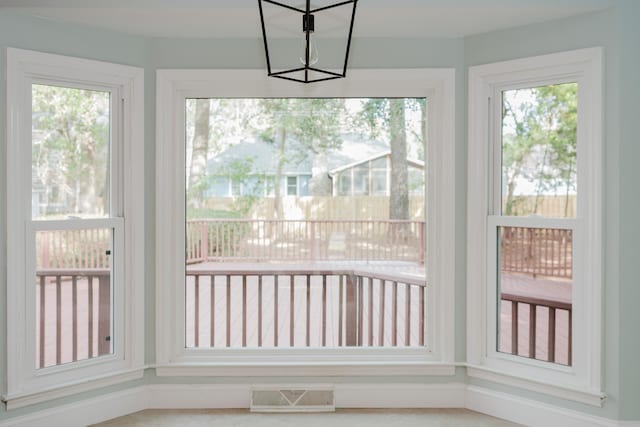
[[254, 186]]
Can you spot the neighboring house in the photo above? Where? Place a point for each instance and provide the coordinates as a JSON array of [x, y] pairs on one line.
[[360, 167], [372, 177]]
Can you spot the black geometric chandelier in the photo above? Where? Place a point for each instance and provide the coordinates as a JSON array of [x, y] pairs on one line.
[[305, 43]]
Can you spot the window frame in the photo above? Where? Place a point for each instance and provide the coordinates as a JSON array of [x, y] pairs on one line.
[[173, 87], [26, 384], [582, 380]]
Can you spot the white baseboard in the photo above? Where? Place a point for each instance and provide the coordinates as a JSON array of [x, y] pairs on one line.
[[529, 412], [219, 396], [83, 412], [199, 396], [349, 395], [400, 395]]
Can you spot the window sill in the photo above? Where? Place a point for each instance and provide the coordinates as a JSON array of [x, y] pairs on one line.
[[588, 397], [342, 369], [19, 400]]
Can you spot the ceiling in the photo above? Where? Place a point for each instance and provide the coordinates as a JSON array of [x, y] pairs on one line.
[[240, 18]]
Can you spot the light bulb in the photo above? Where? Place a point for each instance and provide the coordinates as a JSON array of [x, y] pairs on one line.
[[308, 27], [313, 52]]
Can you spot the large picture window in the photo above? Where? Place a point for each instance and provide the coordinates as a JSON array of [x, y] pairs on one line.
[[534, 304], [280, 278], [72, 188]]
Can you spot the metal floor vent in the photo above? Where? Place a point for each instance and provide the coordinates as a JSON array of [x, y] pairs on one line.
[[298, 398]]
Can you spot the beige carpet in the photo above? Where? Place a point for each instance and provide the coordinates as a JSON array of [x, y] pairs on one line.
[[341, 418]]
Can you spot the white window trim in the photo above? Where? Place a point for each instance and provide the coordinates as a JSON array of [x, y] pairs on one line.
[[582, 380], [173, 87], [25, 384]]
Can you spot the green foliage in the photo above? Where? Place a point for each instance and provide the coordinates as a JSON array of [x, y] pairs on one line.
[[539, 140], [389, 116], [374, 117], [241, 172], [71, 147], [228, 121], [314, 124], [299, 129]]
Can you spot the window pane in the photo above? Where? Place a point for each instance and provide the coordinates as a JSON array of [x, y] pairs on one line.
[[380, 163], [416, 180], [73, 295], [312, 155], [379, 182], [361, 180], [345, 183], [535, 293], [292, 186], [539, 131], [70, 152]]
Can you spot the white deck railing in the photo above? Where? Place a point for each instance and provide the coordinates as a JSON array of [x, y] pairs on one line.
[[304, 240], [546, 252]]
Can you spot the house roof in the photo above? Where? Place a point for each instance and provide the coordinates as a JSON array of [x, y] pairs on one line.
[[355, 149], [412, 162]]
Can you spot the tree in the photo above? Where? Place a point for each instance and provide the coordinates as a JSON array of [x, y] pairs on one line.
[[242, 171], [301, 127], [275, 132], [71, 148], [399, 186], [559, 107], [388, 115], [212, 125], [316, 128], [539, 141], [199, 154]]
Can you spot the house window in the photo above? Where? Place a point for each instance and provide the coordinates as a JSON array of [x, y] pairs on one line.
[[71, 177], [361, 180], [292, 186], [344, 183], [219, 307], [236, 188], [535, 211], [379, 177]]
